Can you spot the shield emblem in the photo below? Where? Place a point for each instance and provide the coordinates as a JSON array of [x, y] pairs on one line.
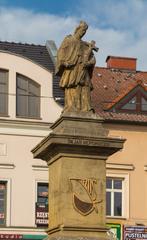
[[84, 195]]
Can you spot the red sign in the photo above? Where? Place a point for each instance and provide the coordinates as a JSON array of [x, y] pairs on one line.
[[135, 232], [10, 236], [41, 214]]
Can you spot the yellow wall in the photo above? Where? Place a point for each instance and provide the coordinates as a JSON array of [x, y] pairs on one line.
[[135, 154]]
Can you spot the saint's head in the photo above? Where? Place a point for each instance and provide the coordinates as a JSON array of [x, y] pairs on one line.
[[80, 30]]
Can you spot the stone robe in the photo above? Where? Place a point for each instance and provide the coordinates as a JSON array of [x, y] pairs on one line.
[[75, 72]]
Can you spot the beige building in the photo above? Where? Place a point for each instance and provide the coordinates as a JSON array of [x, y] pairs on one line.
[[27, 108]]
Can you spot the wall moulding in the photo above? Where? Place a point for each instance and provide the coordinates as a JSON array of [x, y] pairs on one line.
[[120, 166], [7, 166], [39, 168]]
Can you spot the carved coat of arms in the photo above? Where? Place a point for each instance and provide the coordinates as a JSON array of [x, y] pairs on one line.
[[84, 195]]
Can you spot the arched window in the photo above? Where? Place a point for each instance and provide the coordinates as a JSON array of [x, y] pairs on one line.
[[27, 97], [3, 92]]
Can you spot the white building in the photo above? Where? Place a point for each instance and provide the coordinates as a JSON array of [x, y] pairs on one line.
[[27, 108]]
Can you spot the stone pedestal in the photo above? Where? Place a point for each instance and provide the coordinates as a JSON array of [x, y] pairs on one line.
[[76, 152]]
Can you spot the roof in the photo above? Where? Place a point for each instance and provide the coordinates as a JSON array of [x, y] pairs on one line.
[[38, 54], [127, 91], [111, 85]]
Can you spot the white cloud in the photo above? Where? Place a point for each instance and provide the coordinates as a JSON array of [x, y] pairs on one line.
[[27, 26], [113, 37]]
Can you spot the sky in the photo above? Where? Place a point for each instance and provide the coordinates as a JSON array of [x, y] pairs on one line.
[[117, 26]]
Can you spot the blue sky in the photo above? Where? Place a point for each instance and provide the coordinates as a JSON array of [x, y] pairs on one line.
[[117, 26], [60, 7]]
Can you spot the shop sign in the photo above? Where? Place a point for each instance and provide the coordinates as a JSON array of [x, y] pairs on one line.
[[10, 236], [4, 236], [41, 214], [115, 230], [134, 232]]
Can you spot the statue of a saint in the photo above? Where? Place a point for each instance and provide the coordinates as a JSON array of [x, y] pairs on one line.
[[75, 64]]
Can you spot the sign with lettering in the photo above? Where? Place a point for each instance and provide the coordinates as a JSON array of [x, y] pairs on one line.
[[4, 236], [77, 141], [41, 214], [10, 236], [134, 232]]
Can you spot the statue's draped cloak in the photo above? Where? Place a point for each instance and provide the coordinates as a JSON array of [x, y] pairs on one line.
[[70, 54]]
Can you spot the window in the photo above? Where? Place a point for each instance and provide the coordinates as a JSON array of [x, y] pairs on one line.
[[117, 195], [131, 105], [114, 197], [42, 205], [42, 193], [27, 97], [143, 104], [138, 103], [3, 92], [134, 102], [3, 202]]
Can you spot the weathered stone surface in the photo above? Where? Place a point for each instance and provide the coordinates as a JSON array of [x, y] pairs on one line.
[[75, 64], [77, 133], [80, 124], [76, 151], [77, 238]]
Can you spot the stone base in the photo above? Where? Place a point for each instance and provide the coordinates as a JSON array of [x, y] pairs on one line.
[[76, 152], [108, 237], [80, 124], [79, 233]]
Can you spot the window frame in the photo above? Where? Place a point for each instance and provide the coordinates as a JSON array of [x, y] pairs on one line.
[[5, 114], [36, 198], [125, 194], [42, 184], [138, 92], [39, 105], [8, 201]]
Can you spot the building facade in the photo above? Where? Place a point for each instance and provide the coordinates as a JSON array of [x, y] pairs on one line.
[[27, 108], [120, 97], [30, 101]]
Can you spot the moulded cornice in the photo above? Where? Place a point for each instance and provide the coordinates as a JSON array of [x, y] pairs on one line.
[[120, 166], [25, 128]]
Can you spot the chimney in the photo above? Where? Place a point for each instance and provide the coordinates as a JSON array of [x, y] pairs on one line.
[[122, 63]]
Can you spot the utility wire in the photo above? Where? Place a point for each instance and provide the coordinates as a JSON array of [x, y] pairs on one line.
[[26, 95], [62, 98]]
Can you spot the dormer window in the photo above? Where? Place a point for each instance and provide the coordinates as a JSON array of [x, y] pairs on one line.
[[135, 101], [27, 97], [131, 105], [3, 92]]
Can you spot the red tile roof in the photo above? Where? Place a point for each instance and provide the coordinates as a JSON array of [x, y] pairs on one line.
[[125, 93], [111, 85]]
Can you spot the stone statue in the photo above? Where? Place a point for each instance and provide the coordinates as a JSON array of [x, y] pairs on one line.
[[75, 64]]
